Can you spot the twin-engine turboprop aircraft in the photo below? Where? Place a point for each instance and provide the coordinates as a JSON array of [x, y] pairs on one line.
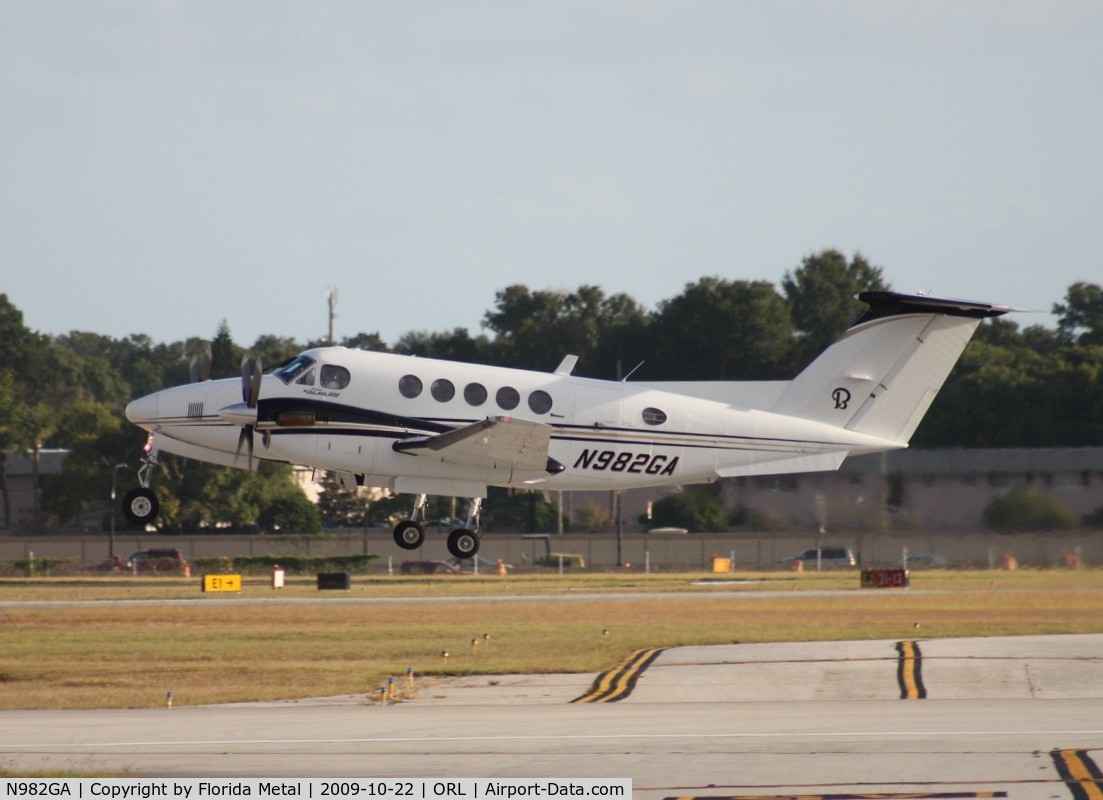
[[429, 427]]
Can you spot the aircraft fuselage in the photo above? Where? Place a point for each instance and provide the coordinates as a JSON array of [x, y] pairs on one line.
[[603, 434]]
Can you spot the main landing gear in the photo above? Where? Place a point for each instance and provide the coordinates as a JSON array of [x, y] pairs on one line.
[[462, 542]]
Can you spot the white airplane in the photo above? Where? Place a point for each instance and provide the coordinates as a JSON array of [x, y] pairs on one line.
[[429, 427]]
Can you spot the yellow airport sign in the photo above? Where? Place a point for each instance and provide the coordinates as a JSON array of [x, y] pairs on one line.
[[221, 583]]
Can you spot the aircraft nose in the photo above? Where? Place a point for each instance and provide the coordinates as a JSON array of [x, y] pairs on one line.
[[143, 410]]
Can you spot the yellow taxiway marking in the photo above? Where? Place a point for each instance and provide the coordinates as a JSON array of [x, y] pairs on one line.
[[617, 683], [909, 672], [1080, 773]]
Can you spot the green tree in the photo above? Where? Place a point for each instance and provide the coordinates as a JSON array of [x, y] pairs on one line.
[[97, 439], [225, 355], [535, 330], [698, 511], [338, 506], [22, 351], [1024, 391], [273, 350], [721, 330], [822, 297], [366, 341], [456, 345], [289, 511], [90, 360], [1081, 315], [527, 512], [12, 434]]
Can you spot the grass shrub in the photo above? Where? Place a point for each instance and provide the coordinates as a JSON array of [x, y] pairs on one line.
[[291, 564], [1026, 509]]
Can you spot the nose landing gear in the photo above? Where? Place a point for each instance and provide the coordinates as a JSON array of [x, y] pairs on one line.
[[140, 505]]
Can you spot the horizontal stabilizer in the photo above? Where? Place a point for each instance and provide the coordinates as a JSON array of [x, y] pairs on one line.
[[498, 442], [823, 462]]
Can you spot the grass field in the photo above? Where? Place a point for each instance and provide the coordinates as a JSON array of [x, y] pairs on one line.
[[225, 648]]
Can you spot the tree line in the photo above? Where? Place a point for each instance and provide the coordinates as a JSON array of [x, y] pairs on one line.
[[1015, 386]]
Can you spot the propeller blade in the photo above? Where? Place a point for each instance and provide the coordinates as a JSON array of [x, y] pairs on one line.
[[245, 438], [251, 371], [200, 367]]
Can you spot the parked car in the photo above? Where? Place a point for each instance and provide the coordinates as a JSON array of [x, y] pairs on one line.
[[164, 561], [825, 556], [430, 568]]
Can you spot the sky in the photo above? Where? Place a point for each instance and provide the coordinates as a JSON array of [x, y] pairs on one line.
[[168, 165]]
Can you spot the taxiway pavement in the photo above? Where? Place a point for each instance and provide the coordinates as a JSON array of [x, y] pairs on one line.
[[846, 719]]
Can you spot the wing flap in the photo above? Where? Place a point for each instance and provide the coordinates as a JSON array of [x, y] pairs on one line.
[[498, 442]]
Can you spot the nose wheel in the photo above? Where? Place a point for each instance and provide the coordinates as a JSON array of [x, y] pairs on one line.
[[140, 506]]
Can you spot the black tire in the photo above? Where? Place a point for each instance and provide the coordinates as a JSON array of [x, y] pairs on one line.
[[140, 506], [409, 535], [463, 543]]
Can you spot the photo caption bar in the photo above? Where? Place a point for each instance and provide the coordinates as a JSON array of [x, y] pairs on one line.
[[315, 788]]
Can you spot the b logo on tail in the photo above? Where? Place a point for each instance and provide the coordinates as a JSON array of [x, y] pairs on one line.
[[841, 397]]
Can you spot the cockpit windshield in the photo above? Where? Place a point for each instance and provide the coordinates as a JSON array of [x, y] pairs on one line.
[[291, 370]]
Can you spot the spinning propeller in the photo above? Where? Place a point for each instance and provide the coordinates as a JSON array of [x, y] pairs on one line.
[[200, 367], [245, 412]]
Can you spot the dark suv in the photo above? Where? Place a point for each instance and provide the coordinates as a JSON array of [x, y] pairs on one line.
[[159, 562], [825, 556]]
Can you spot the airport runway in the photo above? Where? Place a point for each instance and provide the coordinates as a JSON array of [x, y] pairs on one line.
[[1018, 717]]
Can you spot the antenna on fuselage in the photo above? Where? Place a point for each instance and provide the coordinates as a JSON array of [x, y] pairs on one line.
[[631, 372]]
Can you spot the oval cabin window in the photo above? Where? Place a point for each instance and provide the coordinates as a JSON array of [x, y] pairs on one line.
[[654, 416], [508, 398], [443, 390], [410, 386], [474, 394], [540, 402]]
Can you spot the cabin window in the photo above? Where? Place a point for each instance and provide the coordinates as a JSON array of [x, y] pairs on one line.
[[289, 371], [474, 394], [307, 379], [540, 402], [508, 398], [442, 390], [654, 416], [410, 386], [334, 376]]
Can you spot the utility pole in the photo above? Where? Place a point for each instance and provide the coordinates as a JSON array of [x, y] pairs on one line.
[[331, 299], [114, 480]]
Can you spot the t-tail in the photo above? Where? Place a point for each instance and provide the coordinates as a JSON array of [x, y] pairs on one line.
[[881, 376]]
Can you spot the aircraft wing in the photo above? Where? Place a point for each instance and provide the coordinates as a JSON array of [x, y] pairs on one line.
[[499, 442]]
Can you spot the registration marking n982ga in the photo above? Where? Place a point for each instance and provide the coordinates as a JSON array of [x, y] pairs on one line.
[[626, 461]]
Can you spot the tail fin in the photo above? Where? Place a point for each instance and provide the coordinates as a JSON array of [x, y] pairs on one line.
[[881, 376]]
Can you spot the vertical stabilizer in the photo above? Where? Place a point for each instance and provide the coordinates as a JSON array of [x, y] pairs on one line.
[[881, 376]]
